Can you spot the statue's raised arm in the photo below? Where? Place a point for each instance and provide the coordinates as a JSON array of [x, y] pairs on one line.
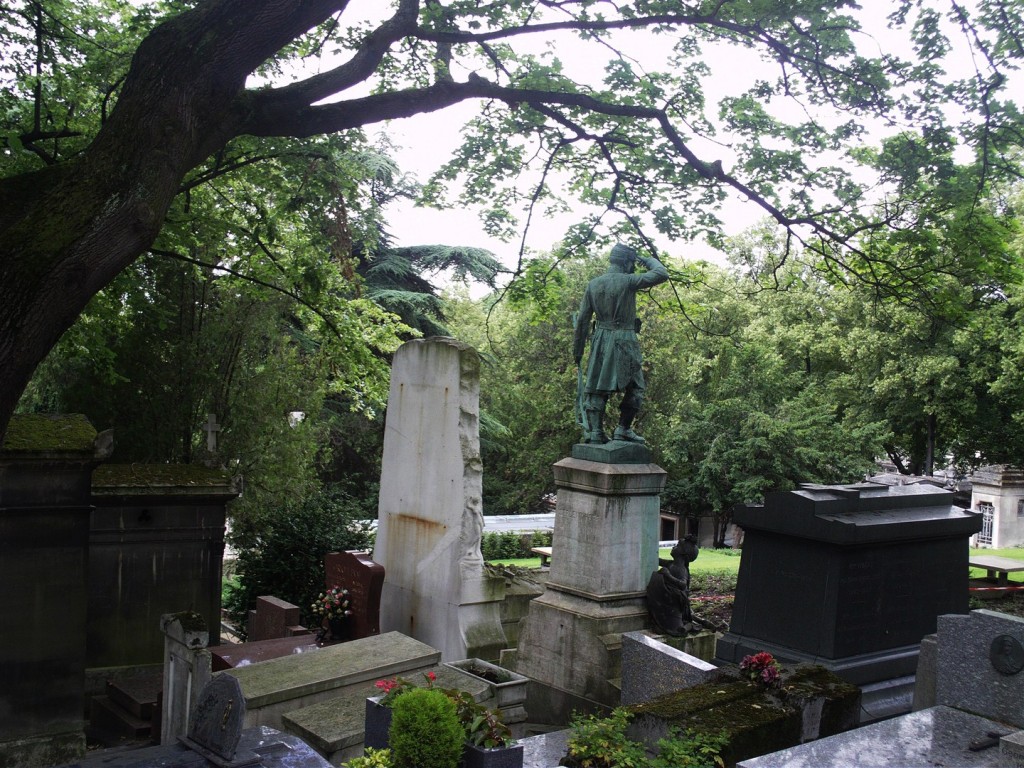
[[615, 363]]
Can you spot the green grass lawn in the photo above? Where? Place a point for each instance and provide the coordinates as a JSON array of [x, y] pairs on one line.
[[1017, 553], [708, 561], [728, 561]]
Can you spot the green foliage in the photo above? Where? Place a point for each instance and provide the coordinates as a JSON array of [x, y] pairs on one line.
[[692, 749], [425, 730], [374, 758], [601, 742], [483, 727], [507, 545], [281, 551]]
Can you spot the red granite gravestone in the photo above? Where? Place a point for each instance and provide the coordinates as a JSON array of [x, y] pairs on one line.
[[364, 579], [274, 618]]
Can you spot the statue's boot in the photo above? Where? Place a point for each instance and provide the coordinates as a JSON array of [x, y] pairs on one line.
[[595, 424], [625, 431]]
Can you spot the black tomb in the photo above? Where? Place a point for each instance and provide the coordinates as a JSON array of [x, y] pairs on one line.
[[850, 577]]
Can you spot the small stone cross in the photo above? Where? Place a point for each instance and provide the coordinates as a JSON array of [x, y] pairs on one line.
[[211, 427]]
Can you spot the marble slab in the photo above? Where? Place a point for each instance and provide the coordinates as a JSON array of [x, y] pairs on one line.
[[939, 736]]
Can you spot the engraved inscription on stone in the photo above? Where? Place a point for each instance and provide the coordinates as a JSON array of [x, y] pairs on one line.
[[1006, 654]]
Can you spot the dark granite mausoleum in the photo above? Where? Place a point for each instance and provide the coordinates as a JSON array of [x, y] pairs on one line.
[[849, 577]]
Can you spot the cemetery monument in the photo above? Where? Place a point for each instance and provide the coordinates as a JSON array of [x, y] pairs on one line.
[[430, 516], [605, 543], [615, 363]]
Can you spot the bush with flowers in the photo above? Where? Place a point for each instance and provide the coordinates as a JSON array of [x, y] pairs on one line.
[[762, 668], [396, 686]]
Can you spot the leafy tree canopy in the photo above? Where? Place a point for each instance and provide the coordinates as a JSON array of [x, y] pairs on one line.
[[112, 111]]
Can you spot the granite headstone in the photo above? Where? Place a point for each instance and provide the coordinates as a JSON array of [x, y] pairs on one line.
[[364, 580], [980, 665], [651, 669]]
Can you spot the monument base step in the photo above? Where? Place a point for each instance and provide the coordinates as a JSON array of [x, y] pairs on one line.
[[111, 724], [862, 669], [889, 698], [137, 694]]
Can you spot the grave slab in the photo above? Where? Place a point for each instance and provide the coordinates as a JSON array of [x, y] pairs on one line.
[[336, 728], [981, 665], [285, 684], [940, 736]]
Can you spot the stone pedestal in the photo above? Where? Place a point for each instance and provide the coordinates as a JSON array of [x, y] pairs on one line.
[[430, 513], [604, 549], [45, 468], [849, 577]]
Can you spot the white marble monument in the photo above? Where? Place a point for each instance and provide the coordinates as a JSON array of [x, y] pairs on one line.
[[430, 516]]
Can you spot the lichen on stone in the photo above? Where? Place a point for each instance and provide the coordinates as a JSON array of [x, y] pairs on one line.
[[158, 476], [49, 433]]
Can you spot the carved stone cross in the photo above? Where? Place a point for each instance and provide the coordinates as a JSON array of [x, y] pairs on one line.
[[211, 427]]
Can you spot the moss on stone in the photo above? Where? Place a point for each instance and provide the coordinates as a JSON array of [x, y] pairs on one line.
[[49, 433], [191, 621], [755, 720], [119, 476]]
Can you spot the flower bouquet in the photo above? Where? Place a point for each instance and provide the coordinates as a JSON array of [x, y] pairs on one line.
[[332, 607], [762, 668]]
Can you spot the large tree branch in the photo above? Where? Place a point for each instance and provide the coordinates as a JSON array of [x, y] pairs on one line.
[[276, 118]]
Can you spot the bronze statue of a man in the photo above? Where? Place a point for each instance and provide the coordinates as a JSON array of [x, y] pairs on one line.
[[614, 364]]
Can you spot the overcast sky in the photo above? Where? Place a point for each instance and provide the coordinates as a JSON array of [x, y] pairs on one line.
[[426, 141]]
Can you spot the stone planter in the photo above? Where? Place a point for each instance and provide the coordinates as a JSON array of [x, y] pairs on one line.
[[377, 724], [508, 688], [500, 757]]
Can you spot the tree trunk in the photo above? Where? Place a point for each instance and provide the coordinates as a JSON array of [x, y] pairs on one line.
[[65, 232]]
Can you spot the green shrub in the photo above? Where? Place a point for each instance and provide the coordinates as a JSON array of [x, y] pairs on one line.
[[283, 554], [506, 545], [692, 749], [425, 730], [600, 742], [374, 758]]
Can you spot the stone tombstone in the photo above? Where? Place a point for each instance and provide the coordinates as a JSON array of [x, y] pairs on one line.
[[651, 669], [215, 726], [850, 577], [274, 618], [604, 549], [430, 516], [980, 665], [187, 670], [156, 545], [364, 579]]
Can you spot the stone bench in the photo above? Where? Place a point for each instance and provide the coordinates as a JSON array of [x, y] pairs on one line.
[[544, 553], [334, 728], [278, 686]]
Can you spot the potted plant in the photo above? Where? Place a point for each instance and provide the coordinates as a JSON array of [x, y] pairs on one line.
[[332, 607], [489, 742], [508, 688], [425, 730], [378, 709]]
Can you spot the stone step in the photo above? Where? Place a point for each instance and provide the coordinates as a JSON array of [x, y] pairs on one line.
[[334, 728], [275, 687], [137, 695], [114, 722]]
